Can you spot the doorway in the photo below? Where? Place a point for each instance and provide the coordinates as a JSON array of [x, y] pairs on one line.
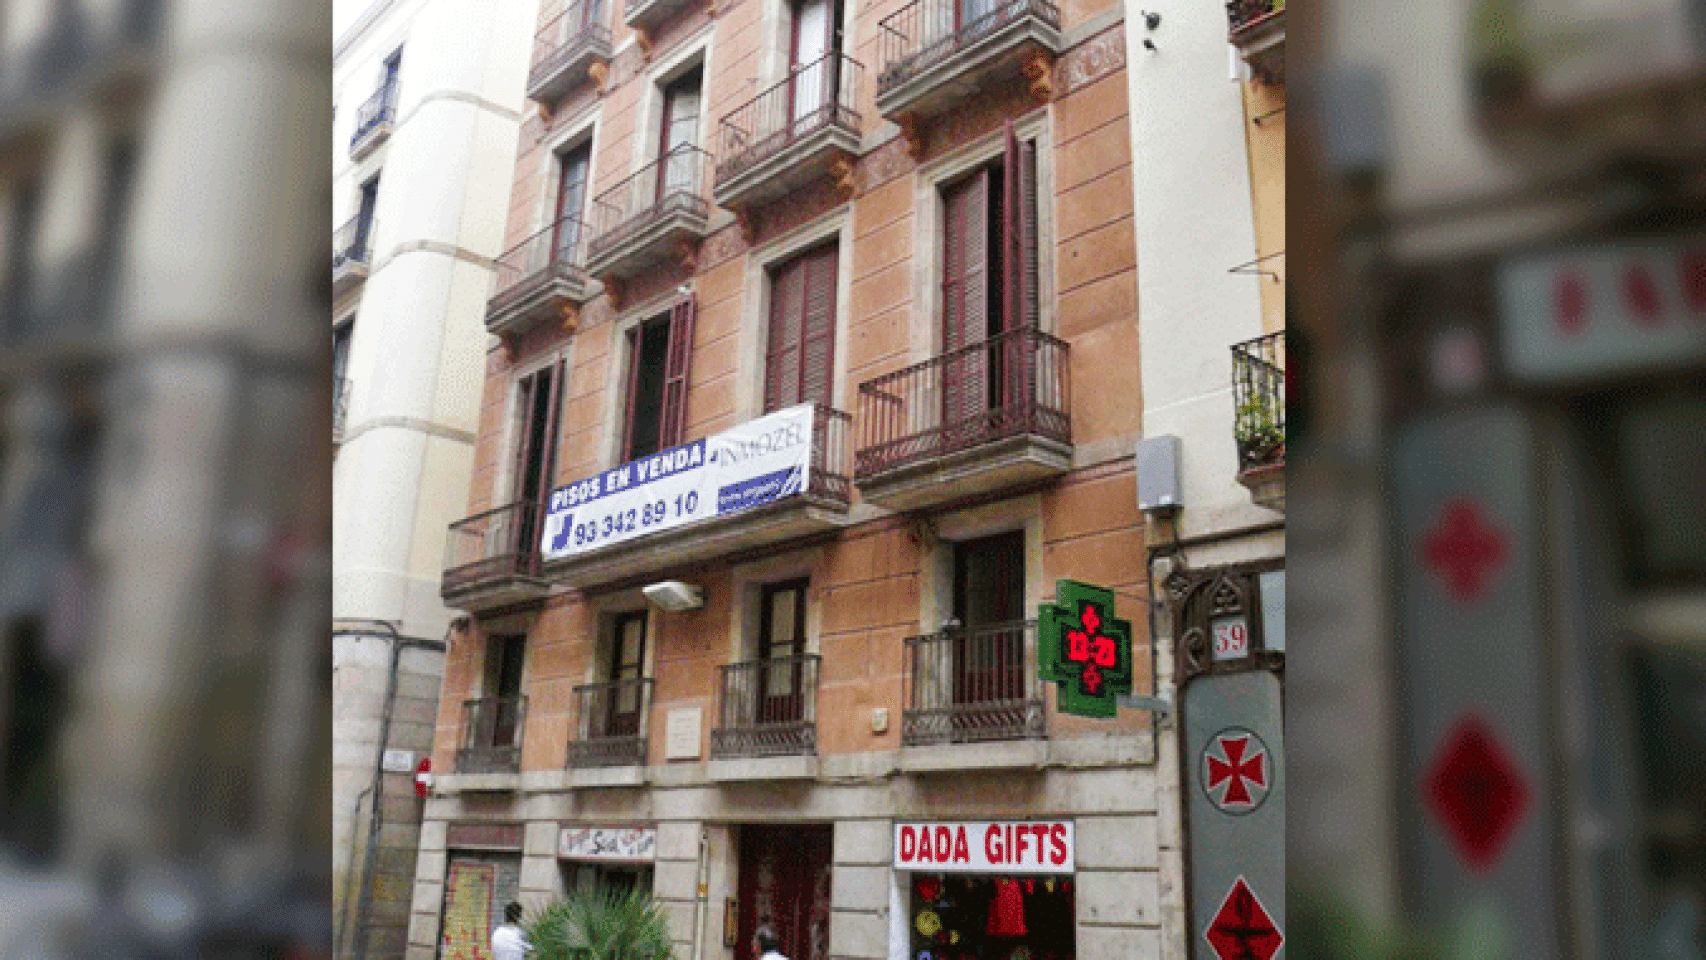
[[784, 881]]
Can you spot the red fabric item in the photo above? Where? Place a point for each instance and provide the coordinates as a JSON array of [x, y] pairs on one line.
[[1007, 913]]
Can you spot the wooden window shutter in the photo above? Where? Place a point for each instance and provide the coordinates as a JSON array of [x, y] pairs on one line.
[[636, 343], [524, 437], [553, 420], [965, 307], [672, 427], [817, 347], [787, 313]]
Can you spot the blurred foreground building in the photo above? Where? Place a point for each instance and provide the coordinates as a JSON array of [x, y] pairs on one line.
[[1500, 530], [427, 101], [874, 266]]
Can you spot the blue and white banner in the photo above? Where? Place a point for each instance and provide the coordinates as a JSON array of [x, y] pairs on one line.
[[759, 462]]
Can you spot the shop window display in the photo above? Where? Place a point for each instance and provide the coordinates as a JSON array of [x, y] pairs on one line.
[[977, 917]]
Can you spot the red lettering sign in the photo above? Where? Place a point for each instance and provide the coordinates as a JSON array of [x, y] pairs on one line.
[[1044, 846]]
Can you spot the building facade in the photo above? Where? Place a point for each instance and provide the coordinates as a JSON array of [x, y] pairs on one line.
[[427, 101], [867, 271]]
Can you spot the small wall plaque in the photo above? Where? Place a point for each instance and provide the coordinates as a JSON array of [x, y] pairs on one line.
[[681, 734]]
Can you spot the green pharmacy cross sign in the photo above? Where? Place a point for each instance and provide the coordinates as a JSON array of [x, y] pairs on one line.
[[1085, 649]]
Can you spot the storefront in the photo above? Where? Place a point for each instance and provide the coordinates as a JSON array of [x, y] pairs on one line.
[[612, 857], [986, 890], [482, 874]]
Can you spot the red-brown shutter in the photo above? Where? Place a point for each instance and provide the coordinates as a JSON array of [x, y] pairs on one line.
[[817, 350], [547, 464], [524, 432], [1020, 305], [787, 311], [672, 427], [965, 306], [636, 342]]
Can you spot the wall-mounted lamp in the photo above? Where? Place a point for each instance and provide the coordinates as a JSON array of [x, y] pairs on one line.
[[673, 595]]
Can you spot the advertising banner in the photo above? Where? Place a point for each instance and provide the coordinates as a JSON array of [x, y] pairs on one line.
[[621, 844], [982, 846], [759, 462]]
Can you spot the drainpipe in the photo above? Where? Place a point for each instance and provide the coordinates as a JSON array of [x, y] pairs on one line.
[[704, 879], [349, 870], [398, 642]]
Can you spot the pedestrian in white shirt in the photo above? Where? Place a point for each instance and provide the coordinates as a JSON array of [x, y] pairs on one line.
[[765, 940], [508, 941]]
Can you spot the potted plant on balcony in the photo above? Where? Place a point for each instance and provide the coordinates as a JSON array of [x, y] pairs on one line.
[[601, 924], [1261, 438]]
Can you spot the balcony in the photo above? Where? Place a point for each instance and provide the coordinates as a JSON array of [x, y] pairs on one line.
[[648, 217], [976, 686], [540, 278], [610, 730], [373, 121], [492, 559], [819, 508], [982, 418], [340, 408], [564, 50], [1258, 31], [790, 134], [937, 54], [1258, 427], [352, 249], [648, 15], [491, 735], [768, 711]]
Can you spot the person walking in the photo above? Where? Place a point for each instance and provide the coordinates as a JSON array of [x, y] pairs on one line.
[[765, 940], [508, 940]]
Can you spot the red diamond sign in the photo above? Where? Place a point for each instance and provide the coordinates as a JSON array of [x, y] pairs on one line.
[[1476, 792], [1242, 929], [1465, 549]]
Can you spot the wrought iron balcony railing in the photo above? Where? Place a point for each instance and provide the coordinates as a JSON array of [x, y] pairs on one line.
[[817, 96], [969, 686], [557, 252], [340, 408], [501, 542], [1242, 13], [1012, 384], [582, 29], [491, 735], [610, 724], [1258, 398], [769, 708], [829, 478], [672, 183], [926, 32], [374, 113], [352, 243]]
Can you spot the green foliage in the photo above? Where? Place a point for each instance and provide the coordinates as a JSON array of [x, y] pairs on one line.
[[601, 924], [1257, 429]]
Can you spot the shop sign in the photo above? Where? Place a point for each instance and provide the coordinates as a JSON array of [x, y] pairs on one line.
[[985, 846], [623, 844], [1598, 311], [1085, 649], [756, 463]]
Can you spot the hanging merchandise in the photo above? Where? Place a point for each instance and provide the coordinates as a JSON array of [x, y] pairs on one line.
[[929, 888], [1020, 952], [1007, 914], [928, 923]]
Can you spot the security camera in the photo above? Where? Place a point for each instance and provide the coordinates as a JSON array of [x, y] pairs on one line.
[[673, 595]]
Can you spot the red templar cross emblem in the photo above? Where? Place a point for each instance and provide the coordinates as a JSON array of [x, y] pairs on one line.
[[1242, 930], [1464, 548], [1234, 761]]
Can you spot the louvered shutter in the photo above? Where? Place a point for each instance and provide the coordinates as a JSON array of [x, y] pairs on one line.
[[1020, 306], [787, 312], [817, 350], [965, 307], [636, 345], [673, 418], [547, 468]]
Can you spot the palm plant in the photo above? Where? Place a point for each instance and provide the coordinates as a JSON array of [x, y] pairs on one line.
[[601, 924]]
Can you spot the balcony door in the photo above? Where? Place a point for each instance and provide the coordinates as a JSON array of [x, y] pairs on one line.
[[535, 454], [989, 603], [813, 74], [680, 128], [627, 669], [781, 639], [506, 654], [364, 219], [571, 204]]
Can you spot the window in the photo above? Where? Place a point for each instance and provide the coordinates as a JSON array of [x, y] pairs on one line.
[[388, 76], [571, 200], [989, 604], [364, 216], [627, 667], [500, 720], [679, 130], [798, 362], [814, 71], [341, 335], [989, 282], [659, 351], [535, 452], [781, 639]]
